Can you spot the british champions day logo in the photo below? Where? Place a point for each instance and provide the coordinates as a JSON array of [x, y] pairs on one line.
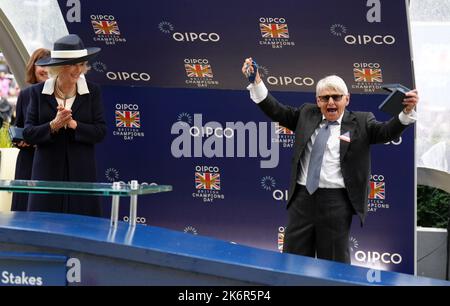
[[128, 121], [377, 195], [199, 73], [280, 240], [106, 29], [285, 136], [207, 184], [235, 139], [274, 32], [188, 37], [368, 76]]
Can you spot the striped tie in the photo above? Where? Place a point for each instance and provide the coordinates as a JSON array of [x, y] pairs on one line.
[[315, 161]]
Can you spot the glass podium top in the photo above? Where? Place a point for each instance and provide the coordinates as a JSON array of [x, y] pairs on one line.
[[81, 188]]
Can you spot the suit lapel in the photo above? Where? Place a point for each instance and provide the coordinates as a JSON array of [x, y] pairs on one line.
[[348, 125], [306, 130], [312, 125]]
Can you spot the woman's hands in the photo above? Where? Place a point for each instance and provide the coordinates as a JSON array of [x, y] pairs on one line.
[[63, 118]]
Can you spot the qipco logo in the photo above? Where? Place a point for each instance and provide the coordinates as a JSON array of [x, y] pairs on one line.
[[130, 107], [102, 17], [125, 76], [377, 178], [193, 61], [193, 37], [370, 39], [288, 80], [280, 195], [207, 169], [395, 142], [272, 20], [376, 257], [367, 65], [140, 220], [209, 131]]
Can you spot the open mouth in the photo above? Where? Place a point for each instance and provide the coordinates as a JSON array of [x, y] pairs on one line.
[[331, 110]]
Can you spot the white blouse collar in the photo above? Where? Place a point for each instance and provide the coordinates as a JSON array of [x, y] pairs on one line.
[[82, 88]]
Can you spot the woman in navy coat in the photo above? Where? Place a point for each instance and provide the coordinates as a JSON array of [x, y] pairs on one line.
[[65, 120], [34, 74]]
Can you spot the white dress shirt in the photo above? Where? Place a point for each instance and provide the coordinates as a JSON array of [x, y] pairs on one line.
[[330, 173]]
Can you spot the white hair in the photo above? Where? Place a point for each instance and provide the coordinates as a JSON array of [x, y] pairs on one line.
[[331, 82]]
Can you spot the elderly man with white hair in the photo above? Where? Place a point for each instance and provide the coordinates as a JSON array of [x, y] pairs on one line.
[[330, 172]]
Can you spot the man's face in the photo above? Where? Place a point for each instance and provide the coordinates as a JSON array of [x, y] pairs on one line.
[[332, 104]]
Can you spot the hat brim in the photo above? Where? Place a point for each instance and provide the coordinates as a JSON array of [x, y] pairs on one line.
[[49, 61]]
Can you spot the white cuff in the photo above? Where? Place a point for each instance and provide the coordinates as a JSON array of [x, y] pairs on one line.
[[258, 92], [407, 119]]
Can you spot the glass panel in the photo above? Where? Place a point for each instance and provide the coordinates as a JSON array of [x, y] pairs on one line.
[[37, 22], [430, 28], [80, 188]]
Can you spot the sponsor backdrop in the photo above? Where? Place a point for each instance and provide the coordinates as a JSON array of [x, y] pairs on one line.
[[178, 112]]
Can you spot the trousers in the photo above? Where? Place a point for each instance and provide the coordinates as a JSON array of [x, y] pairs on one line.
[[319, 224]]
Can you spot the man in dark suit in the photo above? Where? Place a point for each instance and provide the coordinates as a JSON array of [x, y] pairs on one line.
[[331, 163]]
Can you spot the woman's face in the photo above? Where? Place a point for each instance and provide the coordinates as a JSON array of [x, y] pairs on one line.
[[71, 73], [40, 73]]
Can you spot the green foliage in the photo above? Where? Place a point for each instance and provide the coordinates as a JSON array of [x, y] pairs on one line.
[[432, 207], [5, 141]]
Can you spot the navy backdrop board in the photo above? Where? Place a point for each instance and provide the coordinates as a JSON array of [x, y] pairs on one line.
[[150, 44], [178, 112]]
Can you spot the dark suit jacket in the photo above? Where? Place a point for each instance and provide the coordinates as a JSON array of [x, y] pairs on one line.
[[68, 155], [24, 160], [354, 155]]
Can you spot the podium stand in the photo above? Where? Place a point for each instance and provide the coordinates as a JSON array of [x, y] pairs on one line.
[[42, 246], [149, 255]]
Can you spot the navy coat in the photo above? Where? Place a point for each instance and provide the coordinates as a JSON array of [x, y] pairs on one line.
[[24, 160], [68, 155]]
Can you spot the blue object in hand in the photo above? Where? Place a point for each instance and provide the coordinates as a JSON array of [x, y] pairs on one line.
[[252, 75]]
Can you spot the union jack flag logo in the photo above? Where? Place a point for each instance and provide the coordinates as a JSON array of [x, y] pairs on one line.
[[198, 71], [281, 130], [377, 191], [367, 75], [105, 27], [128, 119], [206, 180], [280, 241], [274, 30]]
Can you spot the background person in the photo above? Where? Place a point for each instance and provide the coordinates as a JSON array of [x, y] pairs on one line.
[[331, 164], [34, 74], [5, 111], [65, 120]]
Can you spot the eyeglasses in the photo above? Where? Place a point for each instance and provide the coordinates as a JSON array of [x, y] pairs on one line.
[[326, 98]]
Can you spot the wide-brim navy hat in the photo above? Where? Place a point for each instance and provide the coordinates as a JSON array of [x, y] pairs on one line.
[[68, 50]]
